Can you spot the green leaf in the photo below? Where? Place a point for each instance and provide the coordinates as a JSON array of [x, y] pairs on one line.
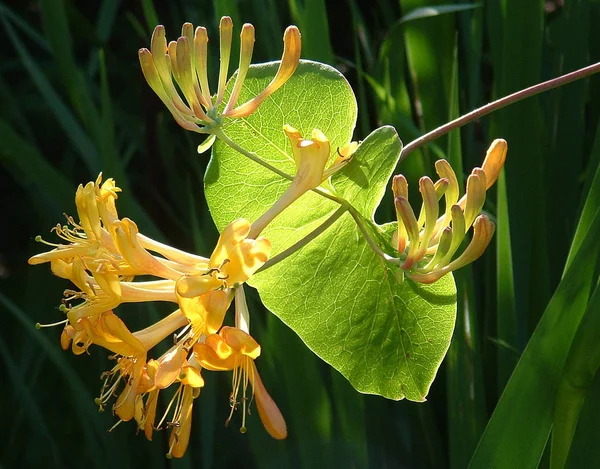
[[317, 96], [518, 431], [436, 10], [385, 337], [582, 364]]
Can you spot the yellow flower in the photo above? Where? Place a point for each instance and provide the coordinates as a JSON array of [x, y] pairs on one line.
[[234, 349], [110, 332], [204, 314], [233, 261], [102, 256], [427, 244], [184, 62], [311, 158], [109, 247]]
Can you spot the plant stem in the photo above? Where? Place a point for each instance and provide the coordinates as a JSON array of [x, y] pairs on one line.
[[499, 104], [307, 239], [376, 249], [221, 135]]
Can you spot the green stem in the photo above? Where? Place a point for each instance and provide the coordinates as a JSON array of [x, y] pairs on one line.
[[221, 135], [376, 249], [307, 239], [499, 104]]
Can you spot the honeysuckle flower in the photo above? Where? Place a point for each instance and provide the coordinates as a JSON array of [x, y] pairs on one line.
[[190, 380], [181, 423], [110, 248], [102, 256], [428, 244], [130, 350], [234, 349], [311, 158], [205, 316], [184, 62], [234, 260]]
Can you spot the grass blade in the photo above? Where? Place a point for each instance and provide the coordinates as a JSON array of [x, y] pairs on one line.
[[516, 434], [66, 119], [581, 366]]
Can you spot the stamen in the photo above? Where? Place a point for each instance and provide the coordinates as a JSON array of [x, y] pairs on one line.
[[39, 239], [115, 426], [184, 331], [177, 396], [38, 326], [169, 455], [106, 394]]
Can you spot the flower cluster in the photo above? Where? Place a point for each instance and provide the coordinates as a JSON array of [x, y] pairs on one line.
[[184, 63], [427, 244], [103, 257]]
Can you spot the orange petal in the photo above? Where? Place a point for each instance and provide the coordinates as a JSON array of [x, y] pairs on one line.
[[191, 377], [225, 39], [287, 67], [125, 405], [246, 48], [200, 62], [151, 405], [240, 341], [215, 354], [206, 312], [405, 211], [169, 367], [269, 413], [494, 161], [430, 214]]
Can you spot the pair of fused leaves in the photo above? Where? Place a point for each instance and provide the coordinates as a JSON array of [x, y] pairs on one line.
[[342, 299]]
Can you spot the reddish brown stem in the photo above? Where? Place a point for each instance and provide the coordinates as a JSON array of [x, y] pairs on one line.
[[499, 104]]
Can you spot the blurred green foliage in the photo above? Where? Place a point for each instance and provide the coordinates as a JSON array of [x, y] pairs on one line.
[[74, 103]]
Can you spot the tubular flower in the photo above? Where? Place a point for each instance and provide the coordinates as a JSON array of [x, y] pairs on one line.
[[110, 248], [184, 62], [102, 257], [233, 261], [428, 243], [130, 350], [311, 158], [104, 254], [234, 349]]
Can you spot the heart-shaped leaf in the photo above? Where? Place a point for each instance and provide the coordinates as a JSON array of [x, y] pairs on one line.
[[387, 337]]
